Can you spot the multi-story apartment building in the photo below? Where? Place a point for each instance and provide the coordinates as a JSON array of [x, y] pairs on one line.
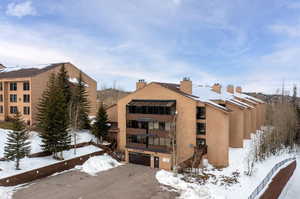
[[21, 89], [162, 124]]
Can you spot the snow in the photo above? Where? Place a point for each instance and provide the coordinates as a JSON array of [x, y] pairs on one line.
[[291, 189], [188, 190], [81, 137], [75, 81], [237, 162], [27, 164], [6, 192], [98, 163], [207, 95]]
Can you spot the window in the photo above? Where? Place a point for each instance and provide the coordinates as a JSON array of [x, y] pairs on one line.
[[13, 98], [159, 110], [26, 86], [26, 110], [201, 113], [168, 126], [13, 86], [1, 86], [200, 142], [26, 98], [200, 128], [1, 98], [156, 125], [1, 109], [161, 126], [159, 141], [13, 109], [224, 105], [137, 139]]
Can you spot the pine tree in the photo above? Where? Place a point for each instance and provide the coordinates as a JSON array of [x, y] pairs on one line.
[[53, 119], [83, 104], [63, 81], [101, 125], [17, 146]]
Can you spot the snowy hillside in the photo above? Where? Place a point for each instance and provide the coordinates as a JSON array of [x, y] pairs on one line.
[[230, 182]]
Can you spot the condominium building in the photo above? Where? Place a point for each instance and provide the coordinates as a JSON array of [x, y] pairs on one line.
[[162, 124], [21, 89]]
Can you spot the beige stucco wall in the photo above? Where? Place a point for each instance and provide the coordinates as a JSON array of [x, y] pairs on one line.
[[236, 126], [247, 123], [186, 117], [39, 83], [217, 136], [112, 113]]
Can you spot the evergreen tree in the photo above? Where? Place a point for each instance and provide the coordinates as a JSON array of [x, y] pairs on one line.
[[53, 118], [101, 125], [63, 81], [17, 146], [81, 98]]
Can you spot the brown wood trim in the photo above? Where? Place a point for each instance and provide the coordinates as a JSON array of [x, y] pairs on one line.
[[133, 131], [165, 118]]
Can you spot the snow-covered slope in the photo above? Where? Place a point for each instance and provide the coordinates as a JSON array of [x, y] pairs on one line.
[[81, 136], [214, 188]]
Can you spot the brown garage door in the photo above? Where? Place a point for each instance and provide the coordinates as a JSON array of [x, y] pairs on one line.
[[140, 158]]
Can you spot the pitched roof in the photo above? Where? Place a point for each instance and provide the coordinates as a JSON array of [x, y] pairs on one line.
[[25, 72], [176, 88]]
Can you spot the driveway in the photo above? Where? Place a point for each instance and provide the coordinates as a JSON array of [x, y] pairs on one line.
[[126, 182]]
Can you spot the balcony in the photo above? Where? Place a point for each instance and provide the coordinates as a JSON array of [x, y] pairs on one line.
[[157, 117], [135, 131], [152, 148]]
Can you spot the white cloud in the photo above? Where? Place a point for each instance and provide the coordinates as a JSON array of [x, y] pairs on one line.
[[177, 2], [291, 31], [21, 9]]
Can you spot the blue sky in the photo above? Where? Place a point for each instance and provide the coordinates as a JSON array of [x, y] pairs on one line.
[[254, 43]]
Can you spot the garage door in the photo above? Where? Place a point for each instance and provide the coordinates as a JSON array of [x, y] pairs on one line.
[[139, 158]]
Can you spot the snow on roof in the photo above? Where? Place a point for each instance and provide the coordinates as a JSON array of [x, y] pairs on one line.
[[252, 98], [206, 94], [75, 81]]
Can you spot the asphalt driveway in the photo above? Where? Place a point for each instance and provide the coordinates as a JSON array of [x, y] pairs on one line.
[[126, 182]]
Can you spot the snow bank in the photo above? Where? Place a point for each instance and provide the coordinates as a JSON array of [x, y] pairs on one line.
[[6, 192], [237, 163], [27, 164], [188, 190], [98, 163]]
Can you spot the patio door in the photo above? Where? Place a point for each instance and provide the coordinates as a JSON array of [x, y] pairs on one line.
[[156, 162]]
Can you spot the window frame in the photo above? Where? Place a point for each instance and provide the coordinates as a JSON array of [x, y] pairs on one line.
[[27, 100], [26, 86], [26, 110], [13, 98], [13, 86]]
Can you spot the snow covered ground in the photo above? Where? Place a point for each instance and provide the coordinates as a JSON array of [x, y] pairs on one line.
[[27, 164], [98, 163], [292, 189], [215, 186], [81, 136]]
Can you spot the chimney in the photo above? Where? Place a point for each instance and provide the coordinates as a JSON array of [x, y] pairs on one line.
[[186, 86], [216, 88], [230, 89], [238, 89], [140, 84]]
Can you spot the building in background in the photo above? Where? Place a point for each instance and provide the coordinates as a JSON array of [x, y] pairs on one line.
[[21, 89]]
